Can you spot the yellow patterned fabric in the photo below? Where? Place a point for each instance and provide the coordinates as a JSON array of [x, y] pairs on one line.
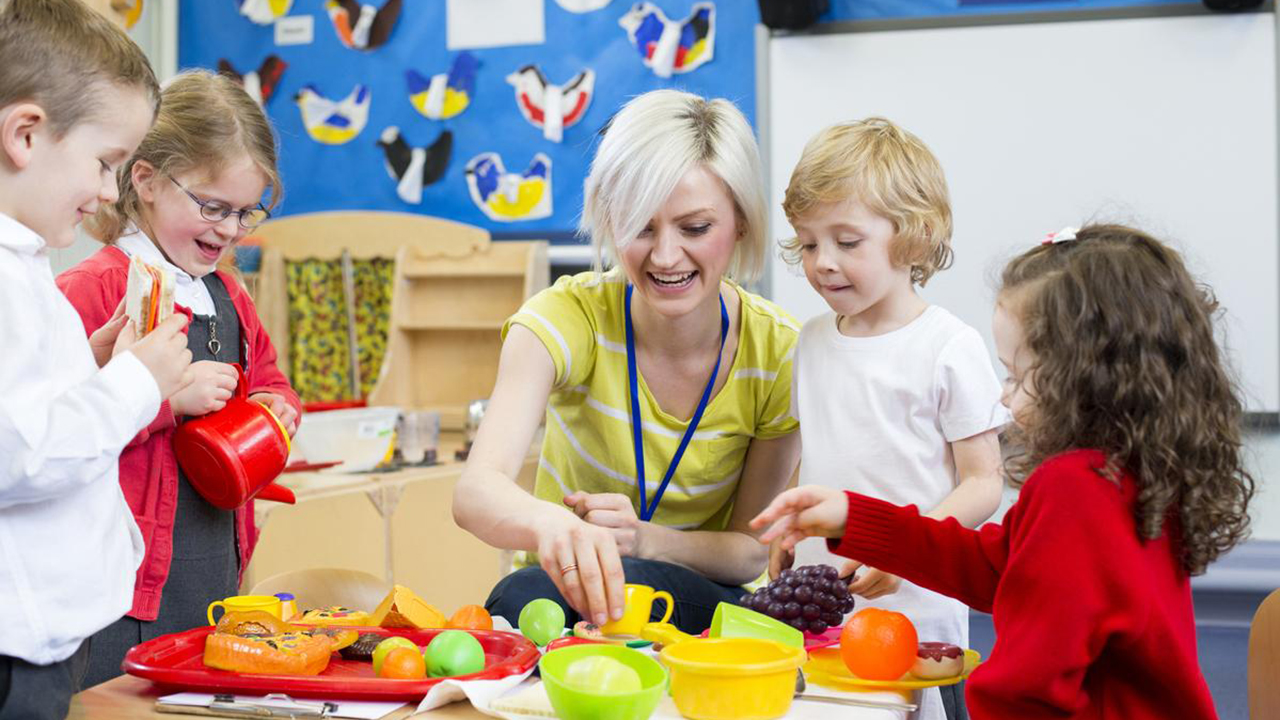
[[588, 444], [318, 340]]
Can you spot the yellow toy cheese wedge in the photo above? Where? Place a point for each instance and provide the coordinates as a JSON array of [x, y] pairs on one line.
[[402, 608]]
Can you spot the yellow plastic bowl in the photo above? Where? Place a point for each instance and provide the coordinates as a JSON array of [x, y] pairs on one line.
[[742, 678]]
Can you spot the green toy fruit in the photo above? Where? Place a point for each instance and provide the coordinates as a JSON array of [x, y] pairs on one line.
[[453, 653], [603, 675], [542, 621], [386, 646]]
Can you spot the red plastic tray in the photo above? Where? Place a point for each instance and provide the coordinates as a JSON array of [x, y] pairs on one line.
[[178, 660]]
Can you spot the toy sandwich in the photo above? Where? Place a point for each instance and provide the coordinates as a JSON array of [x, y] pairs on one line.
[[149, 296]]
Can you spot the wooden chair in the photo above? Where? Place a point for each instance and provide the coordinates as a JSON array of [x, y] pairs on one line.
[[1264, 660], [453, 289], [325, 587]]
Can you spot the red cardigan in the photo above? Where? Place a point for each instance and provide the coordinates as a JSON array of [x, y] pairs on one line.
[[148, 466], [1091, 621]]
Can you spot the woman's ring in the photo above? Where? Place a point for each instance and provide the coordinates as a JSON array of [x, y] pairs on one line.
[[568, 569]]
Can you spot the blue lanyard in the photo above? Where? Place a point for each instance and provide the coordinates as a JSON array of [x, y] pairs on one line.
[[646, 510]]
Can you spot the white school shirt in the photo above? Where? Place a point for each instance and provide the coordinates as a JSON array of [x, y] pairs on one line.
[[876, 416], [69, 547], [189, 292]]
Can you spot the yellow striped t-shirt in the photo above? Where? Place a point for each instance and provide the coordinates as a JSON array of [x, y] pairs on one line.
[[588, 443]]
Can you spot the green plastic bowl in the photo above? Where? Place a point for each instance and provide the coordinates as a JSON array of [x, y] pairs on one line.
[[570, 703]]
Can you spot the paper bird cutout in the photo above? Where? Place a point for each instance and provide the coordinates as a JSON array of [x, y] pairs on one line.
[[582, 6], [444, 96], [413, 168], [552, 107], [669, 46], [330, 122], [261, 84], [509, 197], [360, 26], [264, 12]]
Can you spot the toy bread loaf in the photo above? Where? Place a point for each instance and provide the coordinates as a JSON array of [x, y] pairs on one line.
[[288, 654]]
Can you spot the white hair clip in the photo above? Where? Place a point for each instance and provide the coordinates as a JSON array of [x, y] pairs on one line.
[[1063, 235]]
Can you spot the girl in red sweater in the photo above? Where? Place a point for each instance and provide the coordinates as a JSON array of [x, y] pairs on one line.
[[1132, 481], [193, 189]]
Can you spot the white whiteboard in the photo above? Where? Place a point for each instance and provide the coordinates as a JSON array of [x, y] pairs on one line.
[[1165, 123]]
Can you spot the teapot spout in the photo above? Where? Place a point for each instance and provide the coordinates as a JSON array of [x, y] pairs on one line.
[[278, 493]]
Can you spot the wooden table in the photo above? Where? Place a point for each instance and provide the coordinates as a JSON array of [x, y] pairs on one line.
[[396, 525]]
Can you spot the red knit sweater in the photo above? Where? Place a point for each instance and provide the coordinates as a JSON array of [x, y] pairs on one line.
[[1091, 621]]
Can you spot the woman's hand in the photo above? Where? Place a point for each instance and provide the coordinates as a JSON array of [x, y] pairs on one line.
[[614, 512], [872, 583], [806, 511], [279, 407], [582, 560], [211, 386]]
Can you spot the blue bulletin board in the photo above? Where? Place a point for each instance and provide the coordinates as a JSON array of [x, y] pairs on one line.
[[354, 175]]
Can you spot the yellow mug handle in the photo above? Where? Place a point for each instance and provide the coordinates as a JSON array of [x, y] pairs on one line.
[[671, 605], [663, 634], [213, 605]]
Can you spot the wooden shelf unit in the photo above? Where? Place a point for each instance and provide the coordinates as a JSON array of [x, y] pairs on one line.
[[453, 289]]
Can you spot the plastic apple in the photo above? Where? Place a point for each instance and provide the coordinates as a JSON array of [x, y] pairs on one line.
[[386, 646], [452, 653], [601, 674], [542, 621]]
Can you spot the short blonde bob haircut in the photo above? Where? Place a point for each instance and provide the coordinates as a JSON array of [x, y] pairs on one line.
[[648, 147], [889, 170]]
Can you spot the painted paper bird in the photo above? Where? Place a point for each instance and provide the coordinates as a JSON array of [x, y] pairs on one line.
[[414, 167], [669, 46], [443, 96], [361, 26], [582, 6], [510, 197], [261, 84], [264, 12], [552, 107], [330, 122]]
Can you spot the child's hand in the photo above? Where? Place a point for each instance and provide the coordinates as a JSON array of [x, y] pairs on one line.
[[803, 512], [103, 340], [279, 407], [212, 384], [163, 351], [872, 583], [779, 560]]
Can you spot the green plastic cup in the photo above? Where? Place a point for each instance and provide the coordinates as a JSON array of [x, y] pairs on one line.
[[573, 703], [735, 621]]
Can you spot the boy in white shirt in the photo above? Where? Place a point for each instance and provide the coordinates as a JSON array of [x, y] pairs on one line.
[[76, 98], [896, 398]]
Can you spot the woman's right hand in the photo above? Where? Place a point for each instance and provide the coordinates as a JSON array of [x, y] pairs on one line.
[[212, 384], [582, 560]]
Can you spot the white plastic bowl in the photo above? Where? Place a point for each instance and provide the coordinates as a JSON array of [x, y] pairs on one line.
[[359, 438]]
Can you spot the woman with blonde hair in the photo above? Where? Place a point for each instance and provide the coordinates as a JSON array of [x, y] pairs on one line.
[[661, 368]]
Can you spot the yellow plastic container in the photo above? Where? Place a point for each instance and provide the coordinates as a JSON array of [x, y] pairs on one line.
[[742, 678]]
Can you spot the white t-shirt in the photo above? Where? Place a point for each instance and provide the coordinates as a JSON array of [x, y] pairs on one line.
[[877, 416]]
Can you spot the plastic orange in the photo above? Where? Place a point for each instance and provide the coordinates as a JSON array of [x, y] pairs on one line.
[[471, 617], [404, 664], [878, 644]]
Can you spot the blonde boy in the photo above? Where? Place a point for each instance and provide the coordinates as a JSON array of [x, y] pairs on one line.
[[76, 97], [896, 398]]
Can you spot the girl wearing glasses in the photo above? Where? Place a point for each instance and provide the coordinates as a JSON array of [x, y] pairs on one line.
[[190, 193]]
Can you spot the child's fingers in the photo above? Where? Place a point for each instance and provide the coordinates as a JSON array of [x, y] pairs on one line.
[[119, 311], [788, 502], [777, 529]]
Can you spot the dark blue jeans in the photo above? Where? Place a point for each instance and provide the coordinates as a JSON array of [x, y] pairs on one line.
[[696, 596]]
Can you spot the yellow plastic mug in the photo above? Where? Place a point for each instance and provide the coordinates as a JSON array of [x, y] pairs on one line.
[[243, 603], [639, 600]]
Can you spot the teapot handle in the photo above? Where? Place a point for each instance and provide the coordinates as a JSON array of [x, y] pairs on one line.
[[242, 383]]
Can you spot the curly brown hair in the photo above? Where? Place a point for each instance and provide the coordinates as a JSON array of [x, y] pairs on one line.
[[1125, 361]]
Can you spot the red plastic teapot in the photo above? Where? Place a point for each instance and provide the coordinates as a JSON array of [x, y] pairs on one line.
[[233, 455]]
